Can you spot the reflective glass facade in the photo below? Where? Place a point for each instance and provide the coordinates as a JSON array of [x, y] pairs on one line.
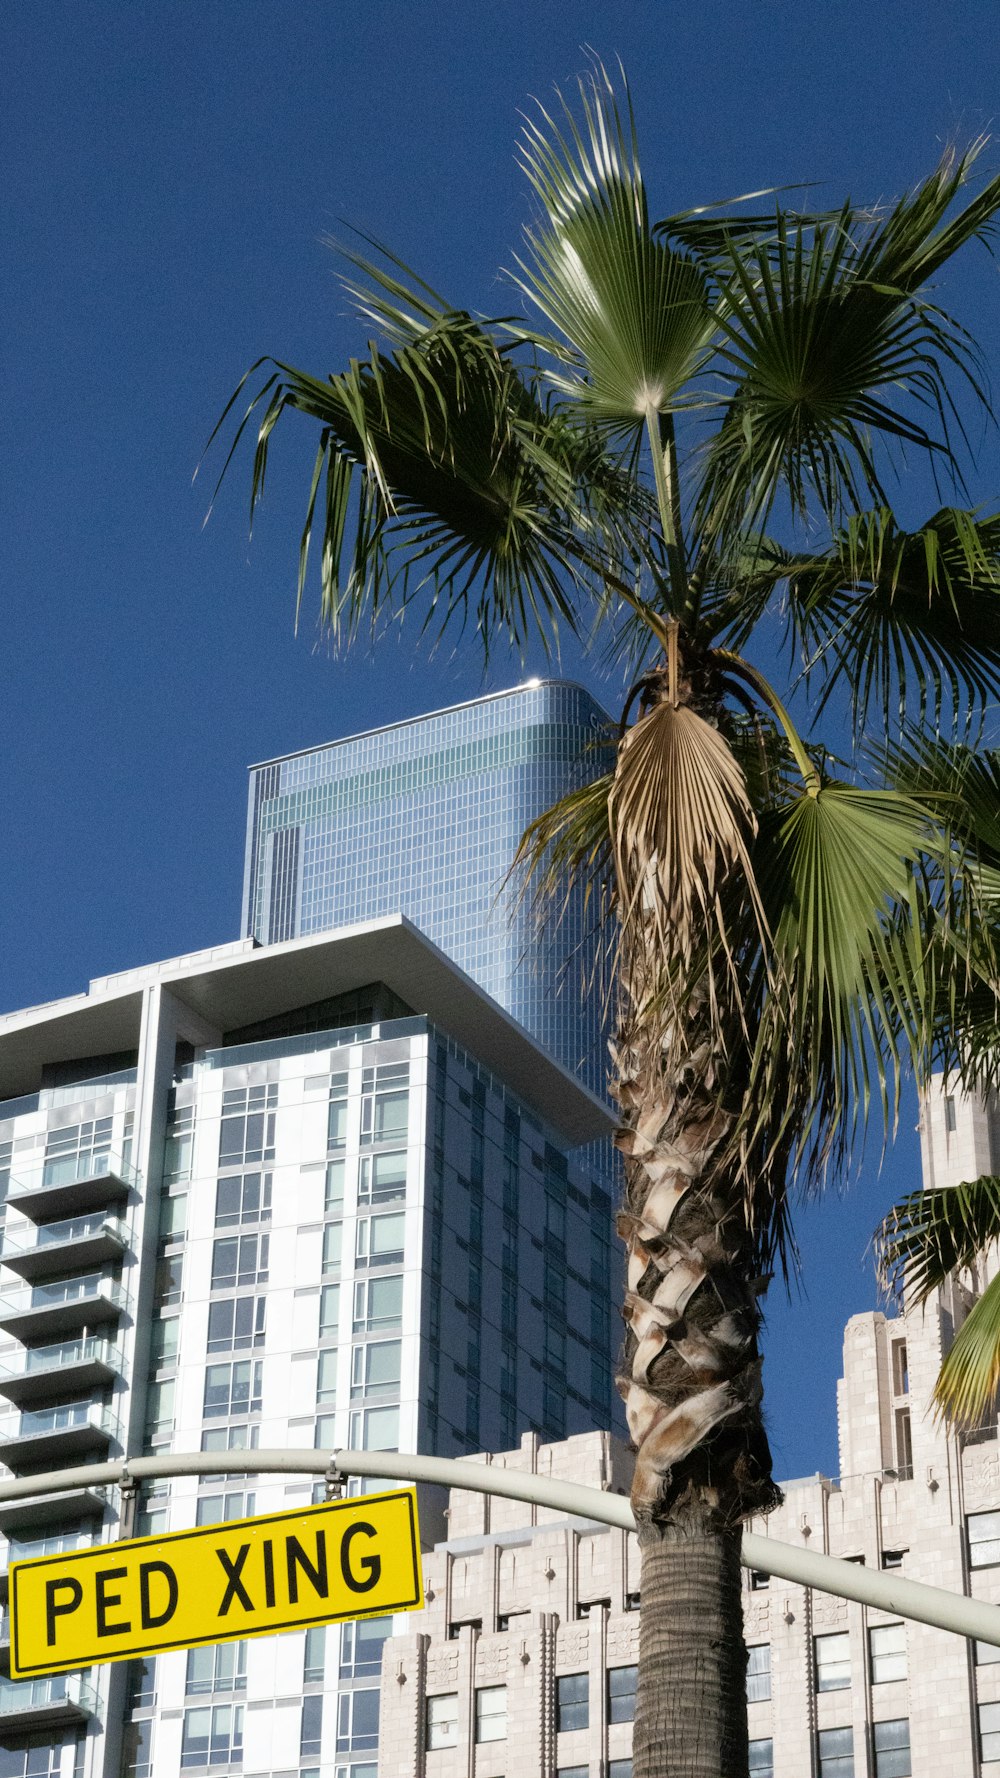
[[423, 818]]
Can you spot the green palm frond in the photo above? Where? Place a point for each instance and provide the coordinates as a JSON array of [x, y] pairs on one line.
[[895, 615], [835, 869], [961, 781], [969, 1379], [930, 1234], [829, 347], [455, 482], [631, 312], [925, 1238], [568, 846]]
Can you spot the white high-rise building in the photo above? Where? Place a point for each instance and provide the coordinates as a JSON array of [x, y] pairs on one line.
[[318, 1193], [524, 1660]]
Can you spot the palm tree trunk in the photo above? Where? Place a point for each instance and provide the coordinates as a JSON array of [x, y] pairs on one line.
[[691, 1648], [691, 1377]]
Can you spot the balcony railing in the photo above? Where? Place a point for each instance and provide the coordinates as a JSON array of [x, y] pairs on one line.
[[63, 1433], [66, 1415], [62, 1306], [69, 1185], [60, 1246], [27, 1704], [43, 1372], [69, 1510]]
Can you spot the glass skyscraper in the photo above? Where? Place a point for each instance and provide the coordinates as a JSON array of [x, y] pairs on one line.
[[423, 818]]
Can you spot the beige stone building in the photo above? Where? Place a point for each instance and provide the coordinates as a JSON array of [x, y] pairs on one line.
[[523, 1663]]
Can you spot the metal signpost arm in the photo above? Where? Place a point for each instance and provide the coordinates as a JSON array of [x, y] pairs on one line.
[[807, 1568]]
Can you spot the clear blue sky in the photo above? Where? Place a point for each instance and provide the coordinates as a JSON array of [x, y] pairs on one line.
[[170, 170]]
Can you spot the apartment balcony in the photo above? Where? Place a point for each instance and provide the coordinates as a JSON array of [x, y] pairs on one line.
[[52, 1438], [54, 1543], [71, 1185], [42, 1312], [67, 1246], [70, 1367], [38, 1512], [29, 1706]]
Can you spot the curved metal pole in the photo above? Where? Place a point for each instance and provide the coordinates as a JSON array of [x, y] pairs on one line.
[[804, 1568]]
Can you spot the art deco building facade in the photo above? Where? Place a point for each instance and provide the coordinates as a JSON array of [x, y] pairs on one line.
[[524, 1661], [321, 1193]]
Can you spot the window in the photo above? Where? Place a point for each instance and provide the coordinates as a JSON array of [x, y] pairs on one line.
[[983, 1532], [246, 1133], [230, 1438], [620, 1768], [572, 1702], [152, 1516], [491, 1713], [160, 1409], [213, 1736], [989, 1733], [141, 1685], [457, 1625], [334, 1197], [904, 1445], [333, 1240], [222, 1668], [214, 1509], [326, 1376], [164, 1341], [382, 1177], [311, 1734], [378, 1304], [893, 1558], [357, 1722], [759, 1581], [891, 1741], [759, 1673], [986, 1654], [887, 1652], [835, 1753], [178, 1148], [900, 1369], [242, 1197], [381, 1239], [621, 1693], [949, 1114], [385, 1116], [375, 1369], [573, 1771], [173, 1218], [314, 1656], [236, 1324], [239, 1259], [442, 1722], [833, 1662], [167, 1285], [375, 1429], [329, 1311], [77, 1151], [337, 1122], [361, 1646], [137, 1756], [761, 1763], [233, 1388]]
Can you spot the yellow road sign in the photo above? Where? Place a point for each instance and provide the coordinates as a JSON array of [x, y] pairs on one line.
[[248, 1577]]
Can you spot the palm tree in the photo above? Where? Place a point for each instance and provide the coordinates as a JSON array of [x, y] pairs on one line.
[[687, 444], [935, 1232]]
